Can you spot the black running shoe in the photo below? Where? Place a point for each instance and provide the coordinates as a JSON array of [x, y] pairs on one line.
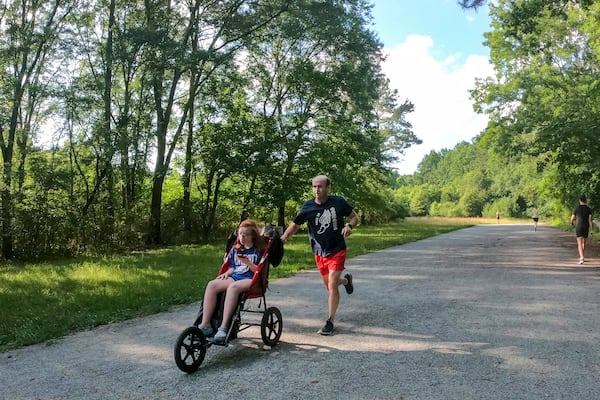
[[349, 286], [327, 329]]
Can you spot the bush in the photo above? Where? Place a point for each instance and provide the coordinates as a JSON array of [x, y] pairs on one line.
[[506, 205], [446, 209], [472, 202]]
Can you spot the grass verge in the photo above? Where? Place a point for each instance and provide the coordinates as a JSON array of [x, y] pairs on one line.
[[43, 301]]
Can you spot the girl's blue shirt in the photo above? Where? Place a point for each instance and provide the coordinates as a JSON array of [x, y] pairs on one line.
[[241, 270]]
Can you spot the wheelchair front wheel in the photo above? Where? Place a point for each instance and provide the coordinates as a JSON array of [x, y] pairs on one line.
[[271, 326], [190, 349]]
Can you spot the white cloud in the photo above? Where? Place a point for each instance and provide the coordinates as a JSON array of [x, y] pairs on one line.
[[439, 90]]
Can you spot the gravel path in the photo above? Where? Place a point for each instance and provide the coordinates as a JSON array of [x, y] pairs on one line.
[[489, 312]]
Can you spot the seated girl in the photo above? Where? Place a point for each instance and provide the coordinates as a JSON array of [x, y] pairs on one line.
[[243, 260]]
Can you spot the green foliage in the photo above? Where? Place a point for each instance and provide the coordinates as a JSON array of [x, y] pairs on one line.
[[468, 180], [421, 198], [237, 105], [507, 206], [544, 99], [441, 168], [377, 203], [473, 201], [446, 209], [318, 82], [171, 120]]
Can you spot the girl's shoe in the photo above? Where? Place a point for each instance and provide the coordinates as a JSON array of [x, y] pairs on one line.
[[220, 335], [207, 331]]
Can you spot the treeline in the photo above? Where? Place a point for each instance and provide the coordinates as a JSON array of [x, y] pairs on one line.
[[472, 181], [133, 123], [127, 124], [542, 146]]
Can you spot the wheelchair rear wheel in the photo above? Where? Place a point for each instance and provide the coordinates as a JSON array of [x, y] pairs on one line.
[[271, 326], [190, 349]]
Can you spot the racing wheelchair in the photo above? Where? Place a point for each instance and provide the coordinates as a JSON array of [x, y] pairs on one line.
[[191, 345]]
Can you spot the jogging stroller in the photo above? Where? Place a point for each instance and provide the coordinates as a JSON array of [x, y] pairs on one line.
[[192, 344]]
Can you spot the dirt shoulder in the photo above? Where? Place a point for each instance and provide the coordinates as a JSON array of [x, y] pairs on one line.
[[489, 312]]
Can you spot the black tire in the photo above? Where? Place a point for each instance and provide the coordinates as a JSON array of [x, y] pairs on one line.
[[190, 349], [271, 326]]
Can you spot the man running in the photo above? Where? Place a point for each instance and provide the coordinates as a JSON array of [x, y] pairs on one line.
[[327, 231]]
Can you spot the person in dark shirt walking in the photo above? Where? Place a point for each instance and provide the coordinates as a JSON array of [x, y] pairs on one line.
[[327, 231], [582, 219]]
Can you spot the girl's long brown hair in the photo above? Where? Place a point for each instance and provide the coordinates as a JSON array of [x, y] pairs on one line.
[[259, 243]]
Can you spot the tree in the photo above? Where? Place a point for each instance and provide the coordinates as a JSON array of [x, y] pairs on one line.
[[252, 95], [30, 31], [230, 146], [396, 131], [316, 82], [422, 196], [544, 99], [471, 3], [225, 26]]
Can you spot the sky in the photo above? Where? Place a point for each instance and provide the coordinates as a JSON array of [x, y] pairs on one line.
[[434, 52]]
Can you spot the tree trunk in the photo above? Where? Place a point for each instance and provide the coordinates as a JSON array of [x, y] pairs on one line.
[[287, 173], [7, 238], [210, 177], [244, 215], [281, 216], [108, 118], [154, 233], [187, 179], [6, 195], [213, 208]]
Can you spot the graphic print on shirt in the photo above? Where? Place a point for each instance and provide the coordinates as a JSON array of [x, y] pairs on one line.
[[324, 220], [241, 270], [240, 267]]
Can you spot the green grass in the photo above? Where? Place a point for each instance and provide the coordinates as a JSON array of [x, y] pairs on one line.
[[44, 301]]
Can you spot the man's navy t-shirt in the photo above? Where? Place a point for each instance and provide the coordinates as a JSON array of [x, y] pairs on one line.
[[325, 223]]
